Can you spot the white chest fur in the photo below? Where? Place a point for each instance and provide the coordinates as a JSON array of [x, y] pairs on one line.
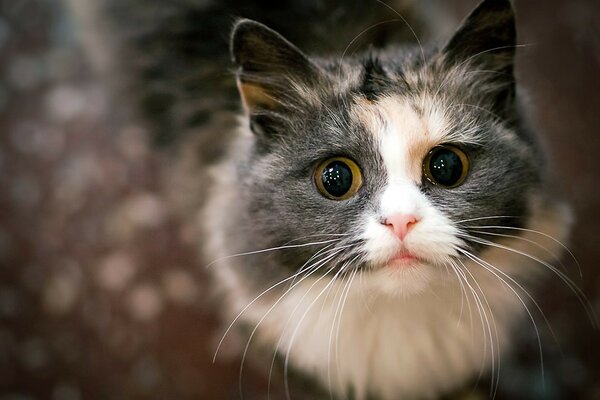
[[415, 347]]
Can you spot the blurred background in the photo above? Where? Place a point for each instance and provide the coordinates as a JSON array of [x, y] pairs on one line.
[[102, 295]]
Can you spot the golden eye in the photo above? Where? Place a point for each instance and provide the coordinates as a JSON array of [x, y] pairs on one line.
[[446, 166], [338, 178]]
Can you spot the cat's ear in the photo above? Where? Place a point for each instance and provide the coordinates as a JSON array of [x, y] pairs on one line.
[[270, 68], [487, 37], [486, 41]]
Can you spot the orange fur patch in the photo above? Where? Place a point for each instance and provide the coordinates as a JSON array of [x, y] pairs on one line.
[[255, 96], [405, 135]]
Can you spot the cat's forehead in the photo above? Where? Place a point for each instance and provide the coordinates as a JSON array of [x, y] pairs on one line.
[[404, 130]]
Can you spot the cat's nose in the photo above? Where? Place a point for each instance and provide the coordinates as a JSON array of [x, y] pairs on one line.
[[401, 224]]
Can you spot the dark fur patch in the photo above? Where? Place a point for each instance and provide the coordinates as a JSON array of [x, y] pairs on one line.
[[181, 66], [487, 39], [277, 202], [375, 80]]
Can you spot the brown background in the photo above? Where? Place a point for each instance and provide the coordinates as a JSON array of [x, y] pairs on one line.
[[100, 294]]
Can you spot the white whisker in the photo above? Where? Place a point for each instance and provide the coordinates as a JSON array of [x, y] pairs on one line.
[[484, 218], [494, 351], [256, 299], [511, 279], [469, 59], [364, 31], [567, 281], [347, 288], [533, 242], [538, 233], [491, 269], [463, 297], [249, 253], [407, 25], [317, 266], [299, 323]]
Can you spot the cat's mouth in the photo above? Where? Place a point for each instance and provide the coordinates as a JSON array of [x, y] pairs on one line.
[[404, 259]]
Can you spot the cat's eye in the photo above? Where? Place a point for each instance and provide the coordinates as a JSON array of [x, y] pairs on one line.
[[446, 166], [338, 178]]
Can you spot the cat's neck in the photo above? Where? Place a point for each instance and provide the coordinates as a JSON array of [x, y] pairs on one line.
[[388, 345], [347, 335]]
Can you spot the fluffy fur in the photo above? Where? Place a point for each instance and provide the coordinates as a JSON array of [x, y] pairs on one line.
[[308, 278], [311, 277]]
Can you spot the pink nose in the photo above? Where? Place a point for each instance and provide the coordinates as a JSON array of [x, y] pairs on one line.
[[401, 224]]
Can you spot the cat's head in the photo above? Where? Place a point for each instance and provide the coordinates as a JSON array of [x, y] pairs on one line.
[[385, 161]]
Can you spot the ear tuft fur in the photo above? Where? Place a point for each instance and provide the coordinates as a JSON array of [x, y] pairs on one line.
[[487, 36], [268, 66], [486, 40]]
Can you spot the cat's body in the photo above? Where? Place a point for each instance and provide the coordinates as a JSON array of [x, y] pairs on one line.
[[396, 286], [383, 330]]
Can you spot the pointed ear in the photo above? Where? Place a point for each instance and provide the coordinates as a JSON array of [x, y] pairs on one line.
[[486, 37], [269, 67]]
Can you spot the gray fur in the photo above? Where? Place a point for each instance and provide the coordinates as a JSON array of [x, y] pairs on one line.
[[255, 184], [272, 197], [276, 200]]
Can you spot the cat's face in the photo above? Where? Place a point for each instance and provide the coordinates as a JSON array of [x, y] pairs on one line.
[[384, 161]]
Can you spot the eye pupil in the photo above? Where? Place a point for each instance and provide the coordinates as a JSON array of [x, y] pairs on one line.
[[446, 166], [337, 178]]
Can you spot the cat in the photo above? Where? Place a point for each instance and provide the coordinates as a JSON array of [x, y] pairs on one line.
[[377, 215], [374, 220]]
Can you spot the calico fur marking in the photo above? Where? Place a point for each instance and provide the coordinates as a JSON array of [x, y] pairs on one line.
[[352, 319], [404, 135]]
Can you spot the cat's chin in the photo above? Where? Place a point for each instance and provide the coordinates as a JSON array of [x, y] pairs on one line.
[[400, 278]]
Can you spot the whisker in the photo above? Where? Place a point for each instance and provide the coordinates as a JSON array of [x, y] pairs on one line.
[[331, 330], [299, 272], [484, 218], [347, 288], [364, 31], [495, 351], [277, 345], [536, 232], [314, 269], [533, 242], [346, 245], [520, 286], [333, 319], [365, 301], [299, 323], [407, 25], [483, 264], [269, 249], [469, 59], [344, 263], [463, 296], [567, 281], [289, 319], [318, 235], [331, 248]]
